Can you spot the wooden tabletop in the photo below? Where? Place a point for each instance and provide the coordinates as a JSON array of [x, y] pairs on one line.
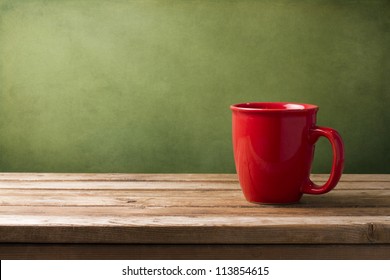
[[186, 216]]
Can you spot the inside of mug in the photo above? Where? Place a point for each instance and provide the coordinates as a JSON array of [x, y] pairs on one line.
[[275, 106]]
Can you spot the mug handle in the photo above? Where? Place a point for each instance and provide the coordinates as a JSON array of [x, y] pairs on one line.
[[338, 159]]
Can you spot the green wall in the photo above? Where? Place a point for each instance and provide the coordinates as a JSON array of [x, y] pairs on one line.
[[145, 86]]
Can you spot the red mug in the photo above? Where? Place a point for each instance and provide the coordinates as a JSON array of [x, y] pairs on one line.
[[273, 146]]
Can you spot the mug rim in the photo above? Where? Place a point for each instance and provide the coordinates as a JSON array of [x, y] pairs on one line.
[[273, 107]]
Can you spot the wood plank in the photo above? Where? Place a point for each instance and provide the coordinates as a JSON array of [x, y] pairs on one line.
[[176, 198], [118, 185], [185, 209], [121, 212], [182, 231], [190, 221], [344, 198], [355, 177], [192, 252], [111, 177], [160, 185]]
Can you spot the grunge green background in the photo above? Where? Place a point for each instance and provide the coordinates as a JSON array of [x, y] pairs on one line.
[[145, 86]]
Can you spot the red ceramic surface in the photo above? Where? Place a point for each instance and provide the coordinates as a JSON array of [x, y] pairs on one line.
[[274, 147]]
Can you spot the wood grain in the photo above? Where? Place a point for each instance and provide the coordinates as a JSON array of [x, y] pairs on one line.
[[192, 252], [183, 209]]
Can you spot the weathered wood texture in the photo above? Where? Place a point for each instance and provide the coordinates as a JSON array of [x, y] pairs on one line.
[[192, 252], [183, 211]]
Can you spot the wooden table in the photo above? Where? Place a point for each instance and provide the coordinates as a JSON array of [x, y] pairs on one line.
[[187, 216]]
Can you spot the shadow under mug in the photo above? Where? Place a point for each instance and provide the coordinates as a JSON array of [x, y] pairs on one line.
[[273, 145]]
